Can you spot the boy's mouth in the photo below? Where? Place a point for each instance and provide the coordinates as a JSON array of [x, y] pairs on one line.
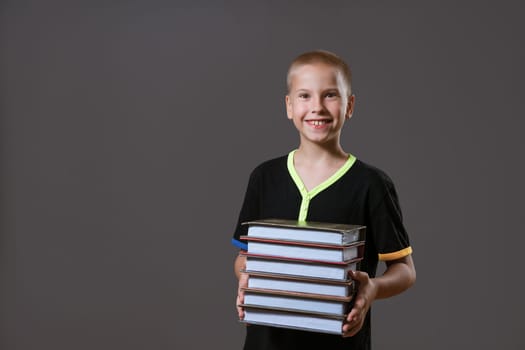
[[317, 122]]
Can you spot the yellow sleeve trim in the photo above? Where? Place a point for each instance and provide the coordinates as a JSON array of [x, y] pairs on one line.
[[396, 255]]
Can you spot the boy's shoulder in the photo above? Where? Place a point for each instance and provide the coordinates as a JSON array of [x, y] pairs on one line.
[[277, 163], [370, 177], [370, 171]]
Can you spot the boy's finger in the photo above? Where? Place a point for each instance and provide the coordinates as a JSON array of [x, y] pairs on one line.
[[351, 331], [348, 328], [240, 313], [359, 276], [351, 315]]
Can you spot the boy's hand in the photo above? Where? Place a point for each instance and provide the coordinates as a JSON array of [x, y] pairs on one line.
[[243, 283], [366, 293]]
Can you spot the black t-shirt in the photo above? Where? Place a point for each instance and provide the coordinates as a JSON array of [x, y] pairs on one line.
[[357, 194]]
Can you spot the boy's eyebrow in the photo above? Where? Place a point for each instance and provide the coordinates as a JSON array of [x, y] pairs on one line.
[[298, 91], [335, 88]]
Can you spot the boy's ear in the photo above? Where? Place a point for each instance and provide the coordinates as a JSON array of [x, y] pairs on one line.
[[288, 106], [350, 107]]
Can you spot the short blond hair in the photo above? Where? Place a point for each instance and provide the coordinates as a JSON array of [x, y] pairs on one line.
[[325, 57]]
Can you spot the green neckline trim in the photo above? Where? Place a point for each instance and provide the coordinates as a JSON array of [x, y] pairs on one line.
[[322, 186]]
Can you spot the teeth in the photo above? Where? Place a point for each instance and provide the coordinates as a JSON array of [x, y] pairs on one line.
[[318, 122]]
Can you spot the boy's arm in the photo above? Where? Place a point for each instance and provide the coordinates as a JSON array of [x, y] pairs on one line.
[[240, 264], [399, 275]]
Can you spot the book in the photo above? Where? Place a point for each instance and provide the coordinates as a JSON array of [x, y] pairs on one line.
[[303, 250], [296, 301], [300, 267], [293, 283], [298, 273], [285, 318], [306, 231]]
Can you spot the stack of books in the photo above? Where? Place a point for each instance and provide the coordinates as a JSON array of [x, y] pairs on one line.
[[298, 273]]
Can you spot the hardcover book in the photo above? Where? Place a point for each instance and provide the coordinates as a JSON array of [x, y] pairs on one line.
[[285, 318], [296, 300], [300, 267], [306, 231], [303, 250], [261, 280]]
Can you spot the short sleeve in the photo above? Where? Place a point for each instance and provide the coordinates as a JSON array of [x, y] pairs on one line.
[[388, 232], [249, 210]]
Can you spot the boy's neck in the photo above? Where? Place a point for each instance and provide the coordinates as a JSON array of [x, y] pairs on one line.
[[315, 165], [319, 154]]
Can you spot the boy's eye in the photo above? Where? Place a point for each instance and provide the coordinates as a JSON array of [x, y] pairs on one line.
[[331, 94], [303, 95]]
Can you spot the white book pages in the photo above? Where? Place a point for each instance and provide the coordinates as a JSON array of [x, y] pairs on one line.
[[303, 252], [295, 303], [298, 286], [294, 321], [288, 267], [314, 236]]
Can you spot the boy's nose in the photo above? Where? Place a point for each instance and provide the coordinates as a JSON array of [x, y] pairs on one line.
[[317, 105]]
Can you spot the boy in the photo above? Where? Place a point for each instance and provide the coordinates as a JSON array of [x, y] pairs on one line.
[[321, 182]]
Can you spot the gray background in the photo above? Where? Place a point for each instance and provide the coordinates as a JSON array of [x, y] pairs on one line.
[[129, 129]]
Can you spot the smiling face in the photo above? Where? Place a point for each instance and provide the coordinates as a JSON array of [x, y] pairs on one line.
[[318, 102]]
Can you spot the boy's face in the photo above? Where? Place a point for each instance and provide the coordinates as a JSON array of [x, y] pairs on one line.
[[318, 102]]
